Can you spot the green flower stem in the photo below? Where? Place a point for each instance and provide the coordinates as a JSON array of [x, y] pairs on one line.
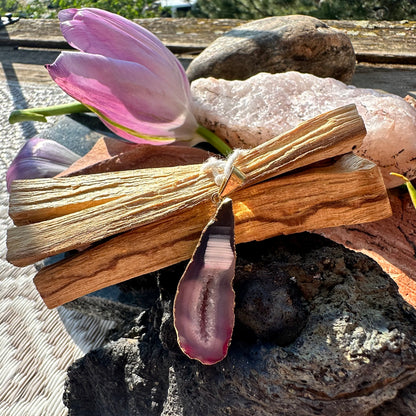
[[214, 140], [40, 114], [410, 187]]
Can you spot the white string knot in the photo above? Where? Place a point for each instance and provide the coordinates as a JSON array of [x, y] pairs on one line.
[[221, 168]]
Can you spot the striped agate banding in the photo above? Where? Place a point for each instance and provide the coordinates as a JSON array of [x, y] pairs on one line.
[[204, 302]]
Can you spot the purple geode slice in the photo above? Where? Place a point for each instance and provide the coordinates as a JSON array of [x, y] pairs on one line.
[[204, 302]]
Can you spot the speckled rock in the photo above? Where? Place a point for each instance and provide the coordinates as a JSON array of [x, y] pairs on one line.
[[277, 44], [375, 240], [247, 113], [353, 351]]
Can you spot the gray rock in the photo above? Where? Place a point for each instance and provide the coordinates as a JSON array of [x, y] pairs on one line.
[[277, 44], [403, 404], [351, 349]]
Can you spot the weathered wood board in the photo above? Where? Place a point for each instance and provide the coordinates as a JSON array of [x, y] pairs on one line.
[[392, 42], [26, 46]]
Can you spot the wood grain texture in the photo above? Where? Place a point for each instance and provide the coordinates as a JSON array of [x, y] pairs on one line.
[[389, 47], [42, 199], [30, 243], [62, 214], [379, 41], [349, 191]]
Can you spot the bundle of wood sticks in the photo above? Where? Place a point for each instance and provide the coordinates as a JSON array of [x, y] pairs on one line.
[[133, 222]]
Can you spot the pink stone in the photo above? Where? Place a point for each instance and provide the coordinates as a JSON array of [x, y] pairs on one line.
[[247, 113]]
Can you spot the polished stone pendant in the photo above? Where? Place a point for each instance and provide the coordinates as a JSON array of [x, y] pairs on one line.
[[204, 302]]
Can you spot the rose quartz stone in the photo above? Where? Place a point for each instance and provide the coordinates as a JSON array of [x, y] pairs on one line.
[[247, 113]]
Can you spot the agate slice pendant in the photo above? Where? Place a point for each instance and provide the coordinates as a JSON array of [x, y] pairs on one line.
[[204, 302]]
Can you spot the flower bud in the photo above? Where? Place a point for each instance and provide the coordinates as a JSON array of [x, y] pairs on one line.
[[40, 158]]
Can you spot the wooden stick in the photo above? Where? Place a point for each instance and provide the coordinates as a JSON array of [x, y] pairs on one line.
[[30, 243], [72, 222], [330, 134], [42, 199], [348, 191]]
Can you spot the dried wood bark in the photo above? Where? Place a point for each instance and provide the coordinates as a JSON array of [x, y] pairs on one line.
[[111, 155]]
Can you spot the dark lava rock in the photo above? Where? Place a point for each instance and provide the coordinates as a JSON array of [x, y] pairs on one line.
[[320, 330], [277, 44], [268, 304], [403, 404]]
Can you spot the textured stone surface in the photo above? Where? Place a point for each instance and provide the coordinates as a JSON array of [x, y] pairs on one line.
[[354, 348], [277, 44], [404, 404], [246, 113], [391, 242]]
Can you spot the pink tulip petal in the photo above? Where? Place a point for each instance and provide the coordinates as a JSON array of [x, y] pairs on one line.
[[204, 302], [48, 150], [105, 20], [40, 158], [31, 169], [126, 95], [99, 32]]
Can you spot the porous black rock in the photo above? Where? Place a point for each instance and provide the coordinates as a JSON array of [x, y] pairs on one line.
[[351, 349], [277, 44], [269, 305]]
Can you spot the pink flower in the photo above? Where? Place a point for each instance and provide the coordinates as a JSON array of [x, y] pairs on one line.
[[40, 158], [126, 75]]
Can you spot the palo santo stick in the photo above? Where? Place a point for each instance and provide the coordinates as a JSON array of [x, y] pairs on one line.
[[342, 129], [328, 135], [41, 199], [30, 243], [349, 191]]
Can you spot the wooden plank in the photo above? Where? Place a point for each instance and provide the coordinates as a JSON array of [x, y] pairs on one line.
[[27, 65], [389, 46], [380, 42], [320, 195], [385, 42], [395, 79], [184, 33]]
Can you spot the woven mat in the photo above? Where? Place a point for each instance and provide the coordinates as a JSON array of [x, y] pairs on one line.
[[36, 344]]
